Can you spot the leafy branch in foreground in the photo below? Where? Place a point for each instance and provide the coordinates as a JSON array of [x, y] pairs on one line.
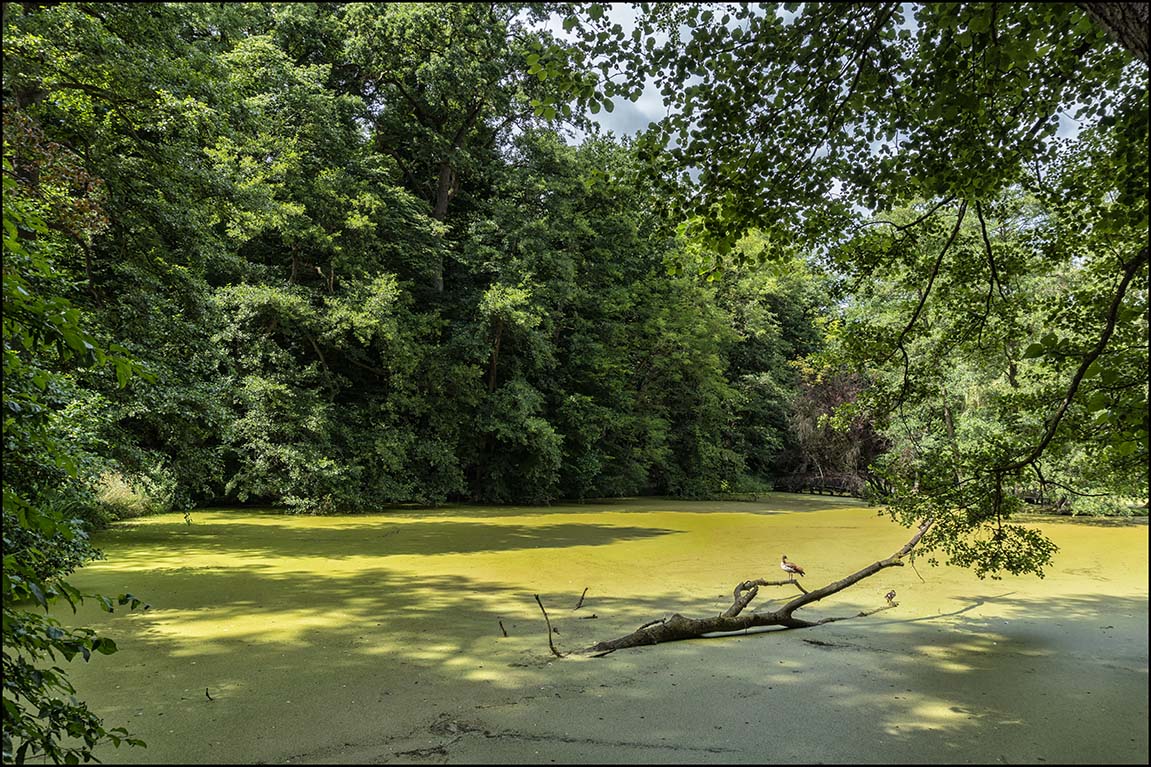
[[43, 335], [812, 122], [41, 711]]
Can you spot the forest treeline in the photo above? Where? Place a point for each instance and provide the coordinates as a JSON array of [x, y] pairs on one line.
[[353, 268], [332, 256], [345, 259]]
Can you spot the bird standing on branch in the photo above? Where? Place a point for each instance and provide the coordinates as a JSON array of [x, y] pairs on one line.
[[791, 568]]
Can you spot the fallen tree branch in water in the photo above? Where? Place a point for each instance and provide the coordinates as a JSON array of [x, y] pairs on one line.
[[677, 627]]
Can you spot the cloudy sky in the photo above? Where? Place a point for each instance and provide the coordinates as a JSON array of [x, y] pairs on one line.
[[631, 117]]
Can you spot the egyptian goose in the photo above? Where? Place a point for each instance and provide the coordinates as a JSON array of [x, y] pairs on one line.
[[791, 568]]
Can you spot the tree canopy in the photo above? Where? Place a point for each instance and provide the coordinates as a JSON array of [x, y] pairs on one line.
[[328, 256], [993, 267]]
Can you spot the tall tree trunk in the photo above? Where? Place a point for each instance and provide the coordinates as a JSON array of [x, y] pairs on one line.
[[949, 421], [1125, 22], [446, 189], [495, 354]]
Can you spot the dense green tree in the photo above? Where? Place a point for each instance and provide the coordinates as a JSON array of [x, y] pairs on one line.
[[443, 84], [46, 479], [986, 365], [654, 384], [777, 310], [283, 300], [810, 121], [327, 256], [135, 93]]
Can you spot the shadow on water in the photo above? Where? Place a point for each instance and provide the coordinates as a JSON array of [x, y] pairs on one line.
[[1061, 680], [1052, 679], [314, 636], [1068, 519], [370, 538], [766, 504]]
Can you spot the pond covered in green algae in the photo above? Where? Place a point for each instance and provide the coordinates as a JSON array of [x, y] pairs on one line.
[[380, 638]]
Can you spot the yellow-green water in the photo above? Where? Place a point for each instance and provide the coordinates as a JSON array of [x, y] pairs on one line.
[[349, 638]]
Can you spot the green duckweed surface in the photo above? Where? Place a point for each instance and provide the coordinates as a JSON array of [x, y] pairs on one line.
[[379, 638]]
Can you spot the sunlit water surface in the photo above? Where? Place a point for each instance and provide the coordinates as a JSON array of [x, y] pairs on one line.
[[371, 637]]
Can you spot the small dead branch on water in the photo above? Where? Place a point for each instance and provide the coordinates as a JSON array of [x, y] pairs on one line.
[[581, 596], [547, 620]]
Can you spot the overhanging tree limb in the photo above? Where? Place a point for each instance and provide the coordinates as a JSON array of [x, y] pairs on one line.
[[899, 342], [1129, 272], [931, 280]]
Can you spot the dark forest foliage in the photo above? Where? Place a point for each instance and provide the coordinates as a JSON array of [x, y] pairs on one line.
[[332, 256]]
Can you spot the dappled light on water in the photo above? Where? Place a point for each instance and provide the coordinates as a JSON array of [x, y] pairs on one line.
[[289, 619]]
